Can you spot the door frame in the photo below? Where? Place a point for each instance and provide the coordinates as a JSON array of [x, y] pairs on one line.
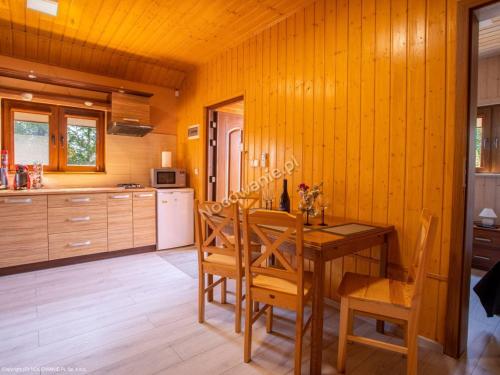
[[466, 57], [207, 111]]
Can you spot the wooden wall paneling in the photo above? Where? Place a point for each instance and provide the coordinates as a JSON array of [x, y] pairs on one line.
[[397, 124], [340, 150], [366, 141], [415, 141], [272, 118], [376, 90], [329, 129], [281, 96], [298, 118], [266, 85], [434, 152], [309, 56], [289, 105]]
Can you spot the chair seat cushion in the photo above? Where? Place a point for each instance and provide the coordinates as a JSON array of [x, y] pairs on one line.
[[376, 289], [281, 285]]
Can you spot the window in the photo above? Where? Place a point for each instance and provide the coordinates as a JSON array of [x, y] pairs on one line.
[[62, 138]]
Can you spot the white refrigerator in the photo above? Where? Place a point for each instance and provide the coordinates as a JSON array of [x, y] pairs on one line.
[[175, 218]]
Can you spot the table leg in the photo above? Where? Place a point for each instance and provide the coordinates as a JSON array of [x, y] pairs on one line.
[[317, 316], [384, 249]]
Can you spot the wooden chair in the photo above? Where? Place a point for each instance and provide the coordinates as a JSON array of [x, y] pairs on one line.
[[286, 286], [387, 299], [219, 253]]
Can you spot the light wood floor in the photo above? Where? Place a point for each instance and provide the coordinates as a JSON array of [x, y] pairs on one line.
[[137, 315]]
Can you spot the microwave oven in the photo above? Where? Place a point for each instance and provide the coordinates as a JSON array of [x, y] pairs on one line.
[[168, 178]]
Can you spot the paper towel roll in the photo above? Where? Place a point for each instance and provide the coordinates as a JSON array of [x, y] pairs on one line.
[[166, 159]]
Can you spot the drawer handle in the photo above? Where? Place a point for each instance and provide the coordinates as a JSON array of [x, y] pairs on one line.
[[125, 196], [482, 239], [77, 219], [79, 244], [18, 201], [145, 195], [79, 200], [480, 257]]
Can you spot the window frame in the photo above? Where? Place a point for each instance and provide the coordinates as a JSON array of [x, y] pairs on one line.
[[57, 133], [98, 116]]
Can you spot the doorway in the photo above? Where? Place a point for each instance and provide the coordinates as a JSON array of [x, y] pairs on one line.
[[225, 149], [478, 114]]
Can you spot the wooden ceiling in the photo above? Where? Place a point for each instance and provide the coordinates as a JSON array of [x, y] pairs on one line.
[[489, 36], [150, 41]]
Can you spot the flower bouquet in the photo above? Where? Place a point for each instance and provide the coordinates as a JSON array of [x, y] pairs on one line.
[[307, 201]]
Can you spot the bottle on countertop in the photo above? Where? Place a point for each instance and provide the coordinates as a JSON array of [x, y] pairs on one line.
[[285, 198], [4, 170]]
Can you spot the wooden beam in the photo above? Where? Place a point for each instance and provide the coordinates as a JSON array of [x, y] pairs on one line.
[[18, 74]]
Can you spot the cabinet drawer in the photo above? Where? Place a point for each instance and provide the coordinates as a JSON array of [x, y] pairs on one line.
[[23, 239], [70, 219], [485, 258], [22, 205], [65, 245], [120, 222], [486, 237], [145, 195], [144, 213], [75, 200]]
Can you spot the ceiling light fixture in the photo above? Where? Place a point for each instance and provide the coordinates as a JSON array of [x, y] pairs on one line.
[[44, 6], [121, 90], [27, 96], [32, 75], [88, 103]]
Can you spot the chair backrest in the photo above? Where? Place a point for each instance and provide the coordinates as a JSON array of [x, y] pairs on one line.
[[251, 200], [212, 223], [418, 268], [274, 229]]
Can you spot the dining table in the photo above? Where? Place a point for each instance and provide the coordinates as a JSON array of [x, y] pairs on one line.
[[328, 239]]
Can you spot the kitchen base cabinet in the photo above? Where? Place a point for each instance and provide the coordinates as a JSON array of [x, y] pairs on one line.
[[120, 222], [38, 229], [23, 224], [64, 245], [144, 213]]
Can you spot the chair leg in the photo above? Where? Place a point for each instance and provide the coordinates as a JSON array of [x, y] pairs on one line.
[[210, 293], [299, 327], [412, 358], [269, 319], [343, 329], [201, 297], [239, 293], [247, 350], [223, 291], [256, 306]]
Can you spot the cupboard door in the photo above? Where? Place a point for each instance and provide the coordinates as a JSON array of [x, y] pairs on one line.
[[120, 223], [144, 212], [495, 139], [483, 139], [23, 220]]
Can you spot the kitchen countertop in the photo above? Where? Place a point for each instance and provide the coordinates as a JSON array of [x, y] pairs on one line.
[[82, 190]]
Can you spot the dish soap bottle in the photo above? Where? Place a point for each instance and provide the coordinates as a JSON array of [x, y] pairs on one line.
[[285, 199]]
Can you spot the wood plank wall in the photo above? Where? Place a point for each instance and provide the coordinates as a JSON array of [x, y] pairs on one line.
[[363, 98], [488, 87]]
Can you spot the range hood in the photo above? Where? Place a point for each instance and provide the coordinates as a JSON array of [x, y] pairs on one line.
[[130, 115], [130, 128]]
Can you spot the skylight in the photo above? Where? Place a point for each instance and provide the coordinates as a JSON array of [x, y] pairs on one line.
[[44, 6]]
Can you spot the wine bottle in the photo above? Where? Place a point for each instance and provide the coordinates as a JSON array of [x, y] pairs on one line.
[[285, 199]]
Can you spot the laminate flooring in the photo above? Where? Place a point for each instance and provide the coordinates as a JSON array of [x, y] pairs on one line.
[[138, 315]]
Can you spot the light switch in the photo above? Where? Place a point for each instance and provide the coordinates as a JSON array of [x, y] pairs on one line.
[[196, 171], [263, 160]]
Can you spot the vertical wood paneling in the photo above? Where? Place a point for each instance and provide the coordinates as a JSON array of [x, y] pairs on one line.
[[355, 91]]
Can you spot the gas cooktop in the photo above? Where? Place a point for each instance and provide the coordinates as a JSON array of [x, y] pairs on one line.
[[131, 186]]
